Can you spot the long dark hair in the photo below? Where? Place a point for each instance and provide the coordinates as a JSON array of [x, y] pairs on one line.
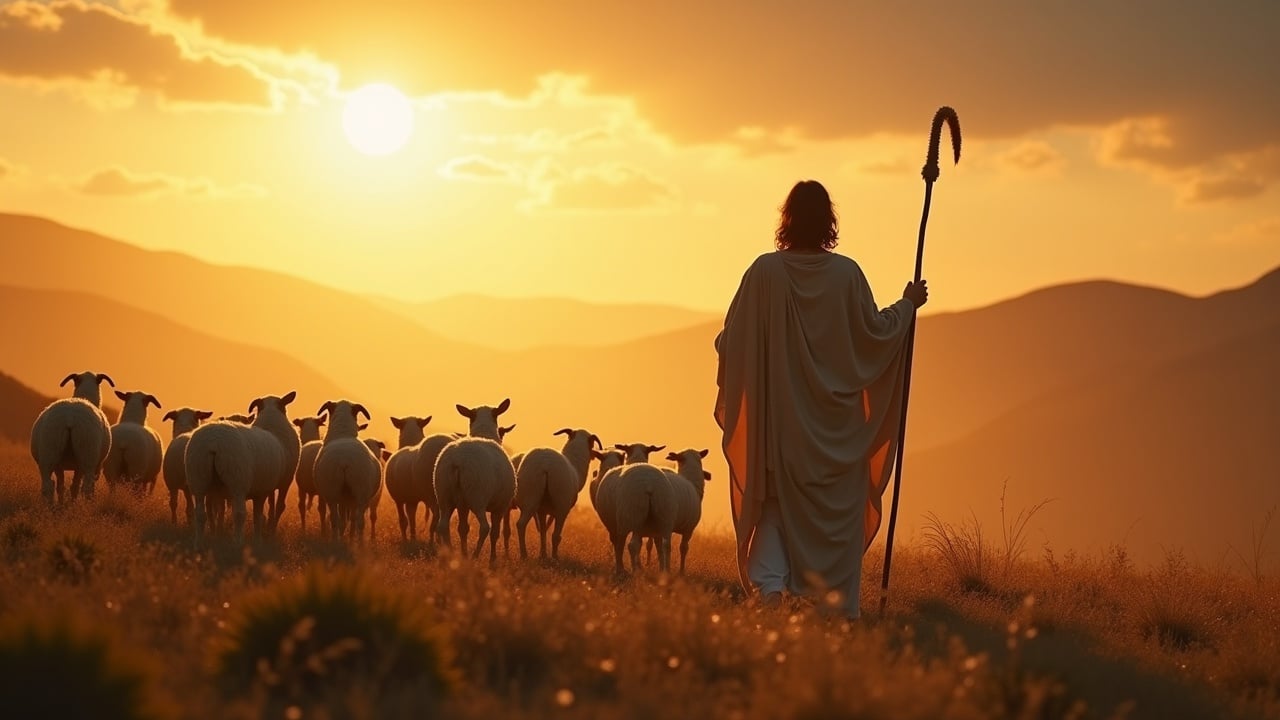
[[808, 219]]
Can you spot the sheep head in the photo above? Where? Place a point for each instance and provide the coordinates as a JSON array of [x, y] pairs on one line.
[[484, 419], [270, 405], [378, 448], [411, 429], [238, 418], [86, 385], [638, 452], [502, 431], [689, 465], [309, 427], [572, 434], [135, 406], [344, 418], [609, 459], [186, 419]]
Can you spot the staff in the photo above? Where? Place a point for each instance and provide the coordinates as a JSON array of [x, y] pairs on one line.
[[930, 174]]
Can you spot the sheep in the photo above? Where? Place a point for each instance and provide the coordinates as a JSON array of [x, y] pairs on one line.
[[609, 459], [175, 476], [474, 475], [347, 472], [240, 462], [309, 436], [72, 434], [630, 501], [270, 414], [601, 489], [549, 487], [400, 479], [136, 454], [423, 486], [379, 450], [689, 483]]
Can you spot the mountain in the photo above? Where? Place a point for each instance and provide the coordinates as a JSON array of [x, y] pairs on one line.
[[522, 323], [1178, 455], [65, 332]]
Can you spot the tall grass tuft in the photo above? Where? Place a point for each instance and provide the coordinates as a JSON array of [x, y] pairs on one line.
[[62, 667], [74, 558], [970, 555], [331, 638]]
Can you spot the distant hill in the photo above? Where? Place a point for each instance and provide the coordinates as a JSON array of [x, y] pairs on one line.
[[178, 365], [522, 323]]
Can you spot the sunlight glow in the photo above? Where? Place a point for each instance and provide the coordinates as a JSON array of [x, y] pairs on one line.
[[378, 119]]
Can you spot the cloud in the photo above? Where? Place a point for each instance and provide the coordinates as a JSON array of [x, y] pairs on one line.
[[1264, 231], [119, 182], [1149, 144], [479, 169], [1031, 157], [603, 188], [75, 42]]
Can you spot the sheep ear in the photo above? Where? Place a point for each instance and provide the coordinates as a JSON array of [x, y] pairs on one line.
[[124, 397], [673, 456], [321, 420], [152, 399], [595, 455], [171, 415], [364, 426], [466, 412], [702, 453], [656, 448], [297, 421], [397, 422], [67, 379], [706, 474], [596, 440], [563, 431], [104, 376], [325, 408], [424, 422], [386, 455], [502, 407], [359, 410], [290, 397], [203, 414], [255, 405], [623, 448]]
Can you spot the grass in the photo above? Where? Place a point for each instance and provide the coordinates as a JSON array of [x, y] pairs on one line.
[[246, 631]]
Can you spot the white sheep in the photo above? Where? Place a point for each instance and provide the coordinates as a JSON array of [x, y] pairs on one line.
[[271, 415], [72, 434], [400, 480], [548, 483], [347, 472], [184, 420], [238, 462], [380, 451], [474, 475], [609, 459], [136, 453], [309, 436], [603, 490], [689, 482], [636, 500], [423, 485]]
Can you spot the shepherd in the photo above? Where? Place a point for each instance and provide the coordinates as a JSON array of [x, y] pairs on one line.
[[811, 384]]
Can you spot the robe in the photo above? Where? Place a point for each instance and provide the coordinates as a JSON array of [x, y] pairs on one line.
[[810, 399]]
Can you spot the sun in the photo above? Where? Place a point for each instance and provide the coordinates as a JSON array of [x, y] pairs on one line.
[[378, 119]]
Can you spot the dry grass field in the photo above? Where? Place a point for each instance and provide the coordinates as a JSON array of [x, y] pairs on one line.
[[106, 610]]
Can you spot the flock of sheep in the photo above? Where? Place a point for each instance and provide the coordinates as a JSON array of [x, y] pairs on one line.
[[234, 460]]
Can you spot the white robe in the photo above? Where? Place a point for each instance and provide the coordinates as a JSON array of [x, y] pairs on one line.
[[810, 397]]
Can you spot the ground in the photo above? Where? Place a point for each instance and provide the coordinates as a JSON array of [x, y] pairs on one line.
[[1040, 636]]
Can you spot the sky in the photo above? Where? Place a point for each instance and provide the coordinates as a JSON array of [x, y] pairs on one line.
[[639, 152]]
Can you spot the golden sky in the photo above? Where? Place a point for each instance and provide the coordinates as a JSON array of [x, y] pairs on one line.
[[638, 152]]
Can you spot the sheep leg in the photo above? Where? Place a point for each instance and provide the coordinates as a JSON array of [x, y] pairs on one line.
[[357, 522], [259, 521], [664, 553], [482, 524], [335, 521], [373, 521], [634, 549], [197, 523], [440, 527], [282, 496], [684, 550], [522, 524], [464, 527], [506, 533], [648, 551], [238, 518], [173, 506], [404, 521], [618, 541], [433, 517], [322, 507], [542, 534], [302, 511], [411, 514], [186, 499], [555, 537], [47, 484]]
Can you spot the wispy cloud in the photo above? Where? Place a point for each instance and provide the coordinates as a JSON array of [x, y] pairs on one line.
[[119, 182]]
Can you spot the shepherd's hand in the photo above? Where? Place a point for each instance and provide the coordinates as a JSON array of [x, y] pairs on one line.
[[917, 293]]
